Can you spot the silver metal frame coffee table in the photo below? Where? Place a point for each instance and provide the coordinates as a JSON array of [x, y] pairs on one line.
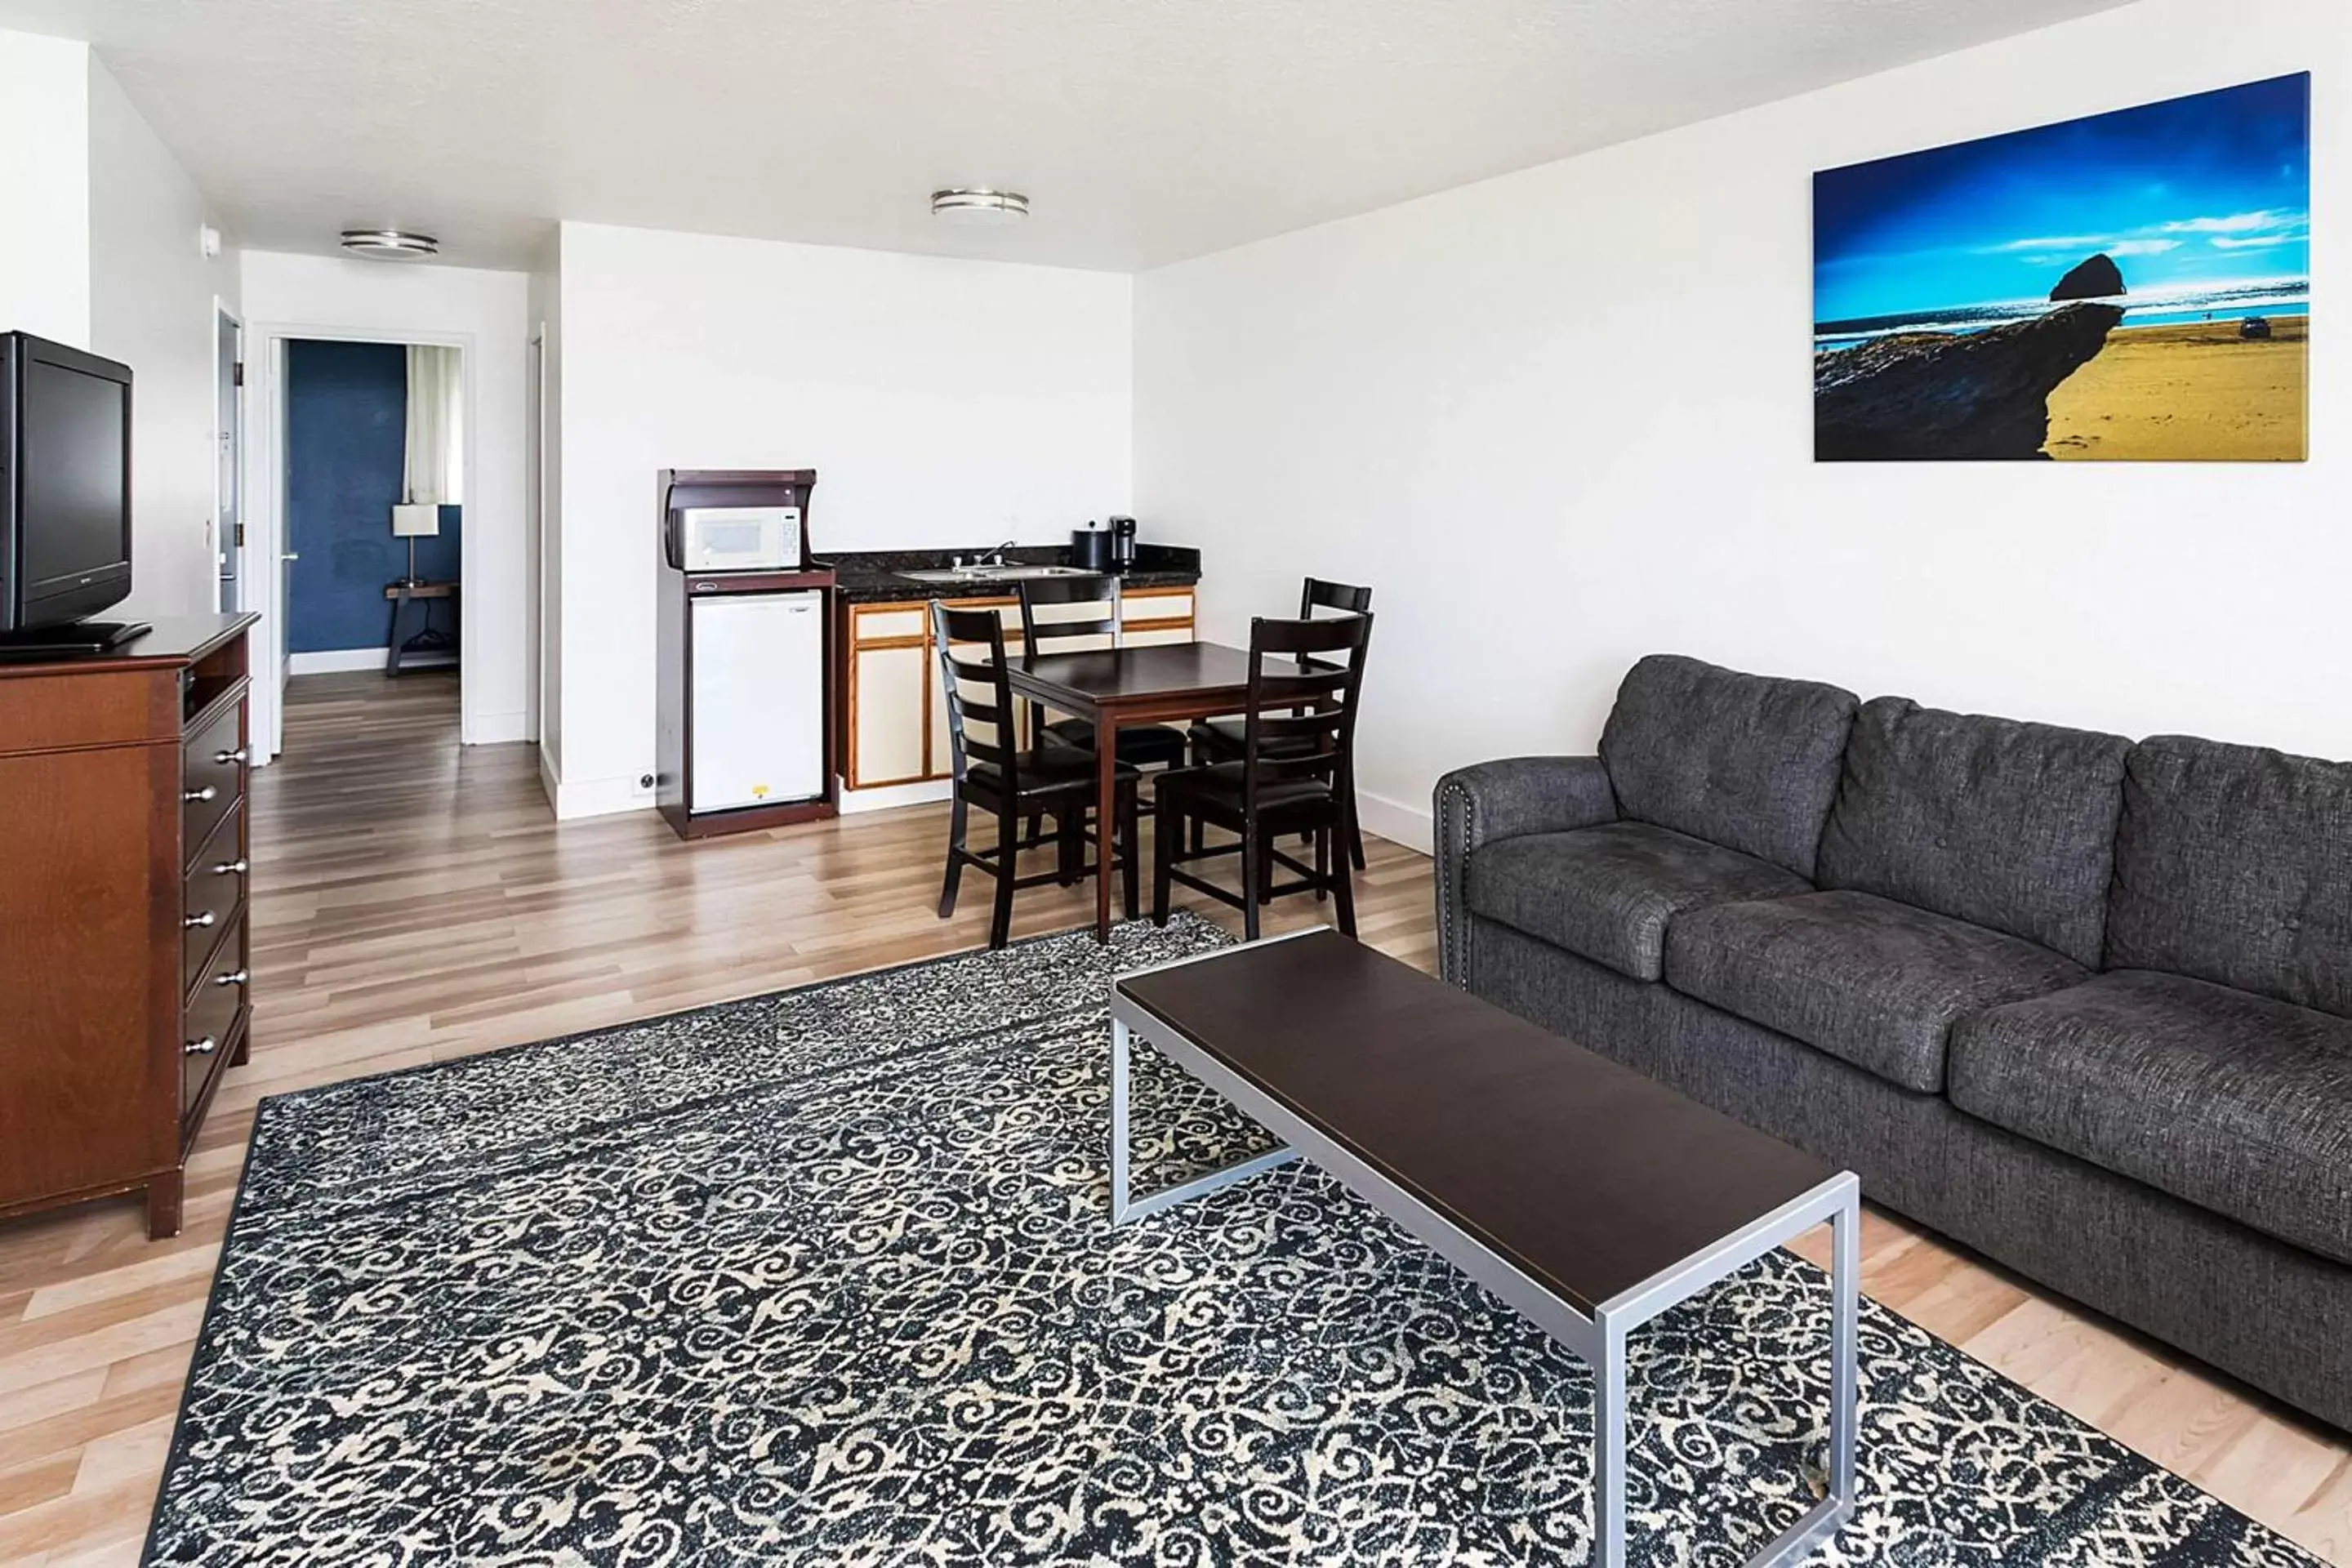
[[1598, 1336]]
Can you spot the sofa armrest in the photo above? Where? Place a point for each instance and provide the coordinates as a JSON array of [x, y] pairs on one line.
[[1478, 805]]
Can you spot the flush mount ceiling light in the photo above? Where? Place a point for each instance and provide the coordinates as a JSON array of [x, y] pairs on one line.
[[978, 205], [390, 244]]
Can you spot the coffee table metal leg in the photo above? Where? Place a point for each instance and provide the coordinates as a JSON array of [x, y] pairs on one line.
[[1124, 1206], [1838, 1202], [1609, 1451]]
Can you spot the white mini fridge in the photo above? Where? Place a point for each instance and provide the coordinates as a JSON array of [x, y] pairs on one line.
[[757, 724]]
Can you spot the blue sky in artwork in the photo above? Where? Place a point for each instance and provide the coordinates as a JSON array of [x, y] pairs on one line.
[[2184, 195]]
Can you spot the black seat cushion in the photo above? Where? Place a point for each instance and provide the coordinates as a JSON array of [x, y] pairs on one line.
[[1870, 980], [1141, 744], [1044, 770], [1990, 821], [2231, 1102], [1742, 761], [1217, 789], [1608, 893], [2234, 864]]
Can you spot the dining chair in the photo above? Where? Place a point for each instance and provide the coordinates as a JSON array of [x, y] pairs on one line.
[[991, 769], [1145, 745], [1296, 774], [1219, 740]]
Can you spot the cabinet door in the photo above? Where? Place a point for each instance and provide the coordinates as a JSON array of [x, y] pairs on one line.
[[885, 701]]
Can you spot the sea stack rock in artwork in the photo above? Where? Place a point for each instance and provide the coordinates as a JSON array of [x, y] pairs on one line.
[[2097, 279], [1960, 397]]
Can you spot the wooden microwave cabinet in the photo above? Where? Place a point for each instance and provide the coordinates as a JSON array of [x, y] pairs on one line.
[[894, 724], [123, 850]]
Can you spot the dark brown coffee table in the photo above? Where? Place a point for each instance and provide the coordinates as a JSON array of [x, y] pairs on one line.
[[1584, 1195]]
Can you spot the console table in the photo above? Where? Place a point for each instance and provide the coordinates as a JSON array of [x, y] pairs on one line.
[[122, 896]]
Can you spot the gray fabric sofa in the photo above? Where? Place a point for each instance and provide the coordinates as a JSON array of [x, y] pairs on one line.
[[2081, 1003]]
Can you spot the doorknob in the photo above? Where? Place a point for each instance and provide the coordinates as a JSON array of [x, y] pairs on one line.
[[291, 555]]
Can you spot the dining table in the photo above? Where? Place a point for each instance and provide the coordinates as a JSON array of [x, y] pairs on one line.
[[1119, 688]]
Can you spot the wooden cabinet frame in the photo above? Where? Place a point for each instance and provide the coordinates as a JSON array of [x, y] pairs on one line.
[[856, 638]]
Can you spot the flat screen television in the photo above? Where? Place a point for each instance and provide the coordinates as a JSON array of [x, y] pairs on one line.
[[65, 487]]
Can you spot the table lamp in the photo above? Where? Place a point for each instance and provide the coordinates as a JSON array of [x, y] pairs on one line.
[[413, 523]]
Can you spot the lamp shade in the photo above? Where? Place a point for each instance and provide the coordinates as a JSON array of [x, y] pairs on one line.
[[416, 522]]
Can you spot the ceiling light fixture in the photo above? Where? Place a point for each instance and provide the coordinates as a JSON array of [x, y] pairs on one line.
[[978, 205], [390, 244]]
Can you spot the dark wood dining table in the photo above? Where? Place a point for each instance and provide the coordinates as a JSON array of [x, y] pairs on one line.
[[1116, 688]]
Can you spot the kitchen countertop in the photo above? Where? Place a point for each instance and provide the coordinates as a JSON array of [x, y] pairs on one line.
[[871, 576]]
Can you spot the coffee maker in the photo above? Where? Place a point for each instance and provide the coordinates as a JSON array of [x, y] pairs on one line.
[[1122, 543]]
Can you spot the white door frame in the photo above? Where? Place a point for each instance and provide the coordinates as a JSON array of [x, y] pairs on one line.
[[534, 479], [265, 506], [222, 545]]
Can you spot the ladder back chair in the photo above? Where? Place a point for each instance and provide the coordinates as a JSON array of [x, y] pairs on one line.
[[1219, 740], [990, 770], [1296, 774]]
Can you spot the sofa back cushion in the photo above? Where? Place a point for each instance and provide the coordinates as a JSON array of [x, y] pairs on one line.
[[1990, 821], [2234, 865], [1743, 761]]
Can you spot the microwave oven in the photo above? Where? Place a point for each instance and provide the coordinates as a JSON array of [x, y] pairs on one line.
[[740, 539]]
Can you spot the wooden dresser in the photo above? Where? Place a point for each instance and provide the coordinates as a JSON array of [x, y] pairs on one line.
[[124, 843]]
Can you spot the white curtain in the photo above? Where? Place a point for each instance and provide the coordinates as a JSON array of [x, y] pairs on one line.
[[435, 473]]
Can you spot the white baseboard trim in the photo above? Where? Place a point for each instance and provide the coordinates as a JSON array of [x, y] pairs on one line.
[[1397, 822], [887, 797], [335, 661], [576, 798], [550, 784]]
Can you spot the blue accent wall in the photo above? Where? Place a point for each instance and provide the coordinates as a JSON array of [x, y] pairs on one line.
[[346, 433]]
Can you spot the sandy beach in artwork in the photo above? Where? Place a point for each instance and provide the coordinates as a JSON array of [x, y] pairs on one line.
[[2191, 392]]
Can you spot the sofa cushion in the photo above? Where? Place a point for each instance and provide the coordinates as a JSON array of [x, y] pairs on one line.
[[1738, 760], [1870, 980], [1990, 821], [2234, 865], [1607, 893], [2235, 1102]]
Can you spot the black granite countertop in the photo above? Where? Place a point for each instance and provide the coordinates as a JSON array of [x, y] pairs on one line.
[[872, 576]]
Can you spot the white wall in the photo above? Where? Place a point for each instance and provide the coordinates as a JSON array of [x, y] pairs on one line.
[[488, 312], [45, 186], [152, 298], [941, 402], [1564, 418]]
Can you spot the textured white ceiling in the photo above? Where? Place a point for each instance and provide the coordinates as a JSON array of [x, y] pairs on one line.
[[1145, 130]]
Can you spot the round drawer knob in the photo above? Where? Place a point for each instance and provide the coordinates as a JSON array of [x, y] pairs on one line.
[[201, 919], [234, 977], [202, 1048], [225, 758], [208, 793]]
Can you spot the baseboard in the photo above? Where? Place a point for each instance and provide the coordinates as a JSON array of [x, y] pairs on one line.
[[1410, 825], [887, 797], [548, 783], [335, 661], [598, 797]]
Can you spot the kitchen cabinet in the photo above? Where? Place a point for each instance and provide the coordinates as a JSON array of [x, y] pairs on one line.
[[893, 717]]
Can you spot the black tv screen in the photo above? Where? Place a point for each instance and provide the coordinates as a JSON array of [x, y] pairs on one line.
[[67, 530]]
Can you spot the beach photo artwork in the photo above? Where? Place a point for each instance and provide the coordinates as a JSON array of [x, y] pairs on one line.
[[2131, 286]]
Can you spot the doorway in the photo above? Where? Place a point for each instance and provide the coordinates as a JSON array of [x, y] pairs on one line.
[[361, 503]]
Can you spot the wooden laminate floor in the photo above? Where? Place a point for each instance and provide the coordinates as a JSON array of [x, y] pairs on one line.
[[415, 900]]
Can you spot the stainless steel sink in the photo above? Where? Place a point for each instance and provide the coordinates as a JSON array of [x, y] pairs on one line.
[[1009, 574]]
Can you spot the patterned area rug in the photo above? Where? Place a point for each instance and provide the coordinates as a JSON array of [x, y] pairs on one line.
[[827, 1278]]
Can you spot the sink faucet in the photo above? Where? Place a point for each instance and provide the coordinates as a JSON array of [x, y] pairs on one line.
[[996, 556]]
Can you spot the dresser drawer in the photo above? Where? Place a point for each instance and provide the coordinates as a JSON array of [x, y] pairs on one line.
[[215, 893], [209, 1021], [213, 774]]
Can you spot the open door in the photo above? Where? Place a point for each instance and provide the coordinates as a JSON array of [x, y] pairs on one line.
[[228, 457]]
